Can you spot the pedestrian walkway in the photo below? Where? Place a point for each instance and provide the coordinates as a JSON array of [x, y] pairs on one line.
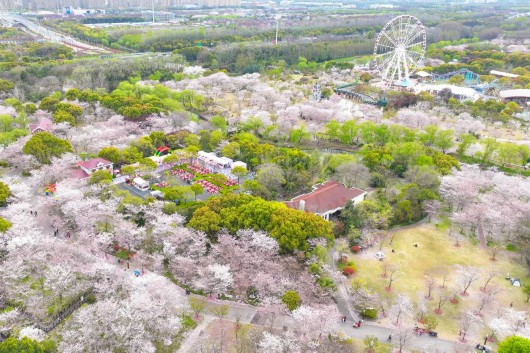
[[191, 341]]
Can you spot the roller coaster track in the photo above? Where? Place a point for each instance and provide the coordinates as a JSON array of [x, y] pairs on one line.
[[469, 75], [364, 98], [355, 95]]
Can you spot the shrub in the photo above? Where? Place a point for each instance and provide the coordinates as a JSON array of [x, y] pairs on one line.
[[169, 208], [291, 299], [91, 298], [348, 270], [314, 268], [326, 282], [369, 313], [430, 322], [511, 247]]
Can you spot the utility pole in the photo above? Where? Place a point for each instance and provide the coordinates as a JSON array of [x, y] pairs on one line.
[[277, 25], [153, 9]]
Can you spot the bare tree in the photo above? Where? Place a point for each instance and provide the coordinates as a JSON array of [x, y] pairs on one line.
[[382, 235], [442, 298], [430, 283], [490, 274], [394, 274]]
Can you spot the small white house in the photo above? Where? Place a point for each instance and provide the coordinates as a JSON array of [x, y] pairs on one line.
[[141, 184]]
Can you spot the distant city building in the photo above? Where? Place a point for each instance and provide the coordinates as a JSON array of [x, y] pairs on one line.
[[159, 15], [60, 5]]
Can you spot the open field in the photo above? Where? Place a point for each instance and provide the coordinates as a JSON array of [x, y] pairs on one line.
[[436, 254]]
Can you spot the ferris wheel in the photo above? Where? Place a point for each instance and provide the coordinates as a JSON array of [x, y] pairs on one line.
[[400, 48]]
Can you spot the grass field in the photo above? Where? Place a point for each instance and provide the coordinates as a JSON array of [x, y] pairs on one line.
[[436, 253]]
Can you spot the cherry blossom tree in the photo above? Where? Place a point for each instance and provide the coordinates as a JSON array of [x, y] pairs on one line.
[[469, 325], [466, 275], [402, 309]]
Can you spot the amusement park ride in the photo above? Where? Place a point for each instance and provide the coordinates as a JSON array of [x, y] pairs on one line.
[[398, 53]]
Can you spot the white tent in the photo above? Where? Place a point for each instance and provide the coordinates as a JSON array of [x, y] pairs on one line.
[[212, 158], [141, 184]]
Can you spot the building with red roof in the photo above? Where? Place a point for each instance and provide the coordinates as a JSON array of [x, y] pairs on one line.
[[326, 198], [44, 125], [86, 168]]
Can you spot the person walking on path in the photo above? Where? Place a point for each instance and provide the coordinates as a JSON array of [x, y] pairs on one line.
[[389, 338]]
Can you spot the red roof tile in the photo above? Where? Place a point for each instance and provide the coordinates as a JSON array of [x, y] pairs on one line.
[[44, 124], [325, 197], [79, 174], [93, 163]]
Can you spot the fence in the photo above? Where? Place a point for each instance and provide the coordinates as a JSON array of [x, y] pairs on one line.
[[74, 305]]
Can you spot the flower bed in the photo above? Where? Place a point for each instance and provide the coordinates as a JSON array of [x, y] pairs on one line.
[[209, 187], [122, 253], [199, 170], [182, 174]]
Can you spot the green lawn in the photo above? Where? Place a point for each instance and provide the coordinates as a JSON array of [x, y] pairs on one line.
[[436, 253]]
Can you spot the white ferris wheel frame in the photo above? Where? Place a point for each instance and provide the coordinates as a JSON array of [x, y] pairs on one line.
[[400, 48]]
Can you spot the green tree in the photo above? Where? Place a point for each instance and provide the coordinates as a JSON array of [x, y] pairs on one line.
[[6, 121], [173, 193], [371, 343], [489, 148], [61, 116], [197, 189], [197, 305], [6, 86], [49, 104], [219, 122], [430, 322], [110, 153], [169, 208], [231, 150], [192, 140], [4, 225], [216, 137], [507, 153], [444, 140], [514, 344], [333, 129], [128, 170], [73, 109], [239, 172], [131, 155], [30, 108], [291, 299], [27, 345], [100, 177], [524, 154], [72, 94], [205, 220], [466, 140], [43, 146]]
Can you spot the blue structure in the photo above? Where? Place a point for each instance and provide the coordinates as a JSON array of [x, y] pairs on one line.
[[470, 77]]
